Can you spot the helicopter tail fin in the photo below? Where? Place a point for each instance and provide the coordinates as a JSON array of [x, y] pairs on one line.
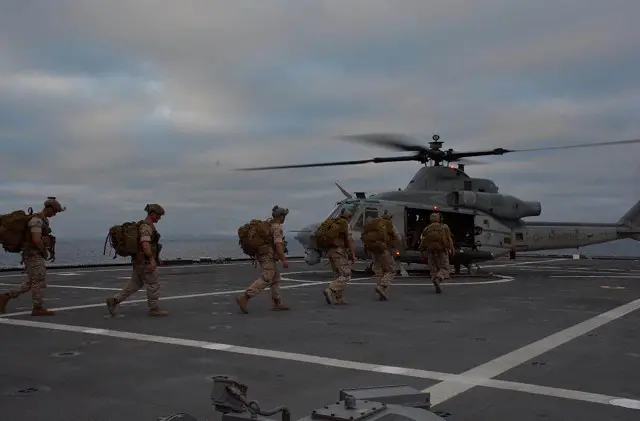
[[631, 222]]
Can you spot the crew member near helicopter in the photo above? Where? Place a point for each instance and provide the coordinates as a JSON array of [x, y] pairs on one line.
[[436, 243], [341, 263]]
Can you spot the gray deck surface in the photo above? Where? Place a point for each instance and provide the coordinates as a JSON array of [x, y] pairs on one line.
[[133, 367]]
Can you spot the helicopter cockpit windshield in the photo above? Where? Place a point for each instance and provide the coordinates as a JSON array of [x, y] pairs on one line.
[[353, 207]]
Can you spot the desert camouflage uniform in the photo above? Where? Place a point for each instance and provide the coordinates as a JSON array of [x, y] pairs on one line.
[[34, 263], [439, 260], [384, 267], [142, 274], [267, 258], [339, 260]]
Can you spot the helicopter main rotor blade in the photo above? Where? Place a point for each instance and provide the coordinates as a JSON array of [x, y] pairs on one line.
[[465, 161], [457, 156], [582, 145], [388, 140], [336, 163]]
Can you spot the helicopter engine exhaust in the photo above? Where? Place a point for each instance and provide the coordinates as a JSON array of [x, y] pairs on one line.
[[500, 206]]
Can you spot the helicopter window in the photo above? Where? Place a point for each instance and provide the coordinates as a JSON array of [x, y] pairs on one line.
[[336, 211], [507, 239], [370, 213], [467, 185], [486, 222], [519, 236]]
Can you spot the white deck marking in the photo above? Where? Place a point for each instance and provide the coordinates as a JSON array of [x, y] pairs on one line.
[[172, 297], [426, 282], [626, 403], [613, 275], [447, 390], [462, 380], [532, 262], [70, 286]]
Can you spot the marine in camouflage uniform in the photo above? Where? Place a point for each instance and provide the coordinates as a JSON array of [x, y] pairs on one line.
[[144, 265], [34, 254], [384, 266], [439, 260], [341, 263], [267, 257]]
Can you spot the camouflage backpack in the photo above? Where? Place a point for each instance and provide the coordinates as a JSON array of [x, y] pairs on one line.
[[13, 230], [254, 235], [329, 231], [376, 235], [434, 238], [124, 239]]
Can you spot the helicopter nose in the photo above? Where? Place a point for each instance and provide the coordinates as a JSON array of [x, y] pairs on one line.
[[304, 236]]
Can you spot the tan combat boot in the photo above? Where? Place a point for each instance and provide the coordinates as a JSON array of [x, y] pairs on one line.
[[329, 295], [4, 299], [436, 282], [41, 311], [111, 305], [156, 312], [382, 295], [339, 301], [278, 306], [242, 301]]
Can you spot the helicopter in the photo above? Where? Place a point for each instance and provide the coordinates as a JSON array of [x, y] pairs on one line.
[[485, 224]]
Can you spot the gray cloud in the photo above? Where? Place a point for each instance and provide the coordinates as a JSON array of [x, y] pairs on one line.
[[110, 105]]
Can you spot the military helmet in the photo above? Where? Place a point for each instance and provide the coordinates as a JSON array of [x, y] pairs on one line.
[[53, 203], [279, 211], [387, 215], [435, 217], [154, 208]]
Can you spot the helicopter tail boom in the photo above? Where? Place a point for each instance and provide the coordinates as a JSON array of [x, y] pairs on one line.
[[629, 224]]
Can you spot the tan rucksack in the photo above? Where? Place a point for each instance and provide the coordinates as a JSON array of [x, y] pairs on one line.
[[329, 231], [254, 235], [377, 235], [125, 240], [434, 238], [14, 230]]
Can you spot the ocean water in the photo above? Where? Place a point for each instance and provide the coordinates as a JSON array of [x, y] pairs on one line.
[[71, 252]]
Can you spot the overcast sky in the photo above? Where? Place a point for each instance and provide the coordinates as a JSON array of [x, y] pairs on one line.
[[110, 105]]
